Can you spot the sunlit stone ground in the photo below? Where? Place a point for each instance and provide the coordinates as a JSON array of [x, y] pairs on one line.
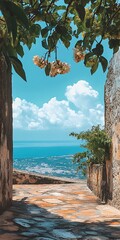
[[58, 211]]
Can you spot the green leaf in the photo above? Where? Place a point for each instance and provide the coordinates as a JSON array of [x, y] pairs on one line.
[[44, 44], [98, 50], [18, 12], [66, 1], [79, 43], [61, 7], [47, 69], [51, 43], [94, 67], [64, 35], [55, 36], [13, 14], [20, 51], [114, 43], [116, 48], [18, 67], [11, 51], [10, 22], [103, 62], [13, 23], [80, 10], [88, 57], [61, 29], [35, 30], [65, 41], [44, 32], [84, 2]]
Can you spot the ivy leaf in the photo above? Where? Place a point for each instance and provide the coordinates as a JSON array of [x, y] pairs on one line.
[[80, 10], [47, 69], [103, 62], [18, 67]]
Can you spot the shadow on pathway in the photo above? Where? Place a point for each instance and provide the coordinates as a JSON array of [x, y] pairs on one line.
[[46, 212]]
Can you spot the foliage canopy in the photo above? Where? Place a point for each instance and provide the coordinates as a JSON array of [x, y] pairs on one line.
[[90, 22], [96, 147]]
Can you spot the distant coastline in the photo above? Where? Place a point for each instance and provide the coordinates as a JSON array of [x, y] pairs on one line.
[[46, 160], [45, 143]]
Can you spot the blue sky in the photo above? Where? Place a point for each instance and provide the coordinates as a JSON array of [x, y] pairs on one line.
[[49, 108]]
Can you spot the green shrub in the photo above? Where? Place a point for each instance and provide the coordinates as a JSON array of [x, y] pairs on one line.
[[95, 145]]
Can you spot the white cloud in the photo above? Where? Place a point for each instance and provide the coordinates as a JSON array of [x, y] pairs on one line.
[[25, 115], [81, 94], [96, 115], [54, 113], [54, 110]]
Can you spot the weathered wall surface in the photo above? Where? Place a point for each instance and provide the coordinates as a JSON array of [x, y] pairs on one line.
[[112, 124], [94, 179], [23, 177], [5, 135]]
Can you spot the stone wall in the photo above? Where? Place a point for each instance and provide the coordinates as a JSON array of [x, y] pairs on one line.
[[94, 178], [24, 177], [112, 124], [5, 135]]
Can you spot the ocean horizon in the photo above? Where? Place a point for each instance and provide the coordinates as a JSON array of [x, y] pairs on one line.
[[50, 158]]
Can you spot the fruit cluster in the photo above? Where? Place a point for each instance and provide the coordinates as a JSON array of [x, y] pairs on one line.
[[59, 67], [56, 67], [40, 62], [79, 54]]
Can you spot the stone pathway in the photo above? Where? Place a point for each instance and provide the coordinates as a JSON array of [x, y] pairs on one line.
[[58, 211]]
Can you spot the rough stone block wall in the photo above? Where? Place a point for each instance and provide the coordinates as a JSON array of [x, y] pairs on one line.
[[94, 178], [112, 124], [5, 135]]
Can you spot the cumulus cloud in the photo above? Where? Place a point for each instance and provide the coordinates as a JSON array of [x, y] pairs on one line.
[[55, 113], [96, 115], [81, 94], [25, 115]]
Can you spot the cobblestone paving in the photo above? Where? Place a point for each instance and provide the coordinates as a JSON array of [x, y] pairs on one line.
[[59, 211]]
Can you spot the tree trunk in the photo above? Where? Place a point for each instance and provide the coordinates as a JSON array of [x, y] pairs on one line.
[[5, 134]]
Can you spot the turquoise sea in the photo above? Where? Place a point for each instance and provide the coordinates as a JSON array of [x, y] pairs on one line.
[[48, 158]]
